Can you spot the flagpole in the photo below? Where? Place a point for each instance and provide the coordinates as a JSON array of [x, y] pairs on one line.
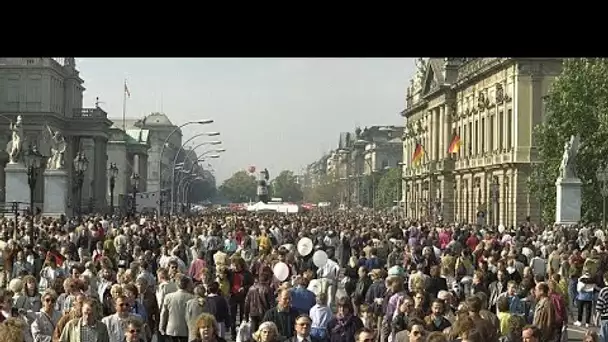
[[124, 106]]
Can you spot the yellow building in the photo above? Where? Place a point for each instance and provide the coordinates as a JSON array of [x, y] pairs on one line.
[[492, 105]]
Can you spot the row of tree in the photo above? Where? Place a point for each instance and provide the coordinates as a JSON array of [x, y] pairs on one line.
[[242, 187], [384, 188]]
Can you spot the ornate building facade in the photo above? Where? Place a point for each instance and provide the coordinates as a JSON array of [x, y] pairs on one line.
[[492, 105], [49, 91]]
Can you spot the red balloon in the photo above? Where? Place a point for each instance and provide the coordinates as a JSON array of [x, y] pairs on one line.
[[251, 169]]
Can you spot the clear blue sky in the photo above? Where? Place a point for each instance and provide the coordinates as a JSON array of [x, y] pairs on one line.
[[271, 112]]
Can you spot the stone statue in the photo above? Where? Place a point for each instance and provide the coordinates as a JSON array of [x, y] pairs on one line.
[[420, 70], [568, 165], [58, 147], [16, 143]]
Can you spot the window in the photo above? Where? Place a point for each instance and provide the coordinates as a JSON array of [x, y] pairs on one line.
[[491, 134], [483, 135], [384, 164], [509, 121], [501, 124], [476, 139]]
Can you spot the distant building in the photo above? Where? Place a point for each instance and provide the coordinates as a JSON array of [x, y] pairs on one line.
[[129, 151]]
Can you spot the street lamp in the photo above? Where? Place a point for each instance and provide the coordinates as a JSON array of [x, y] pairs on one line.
[[602, 176], [176, 167], [81, 163], [162, 150], [33, 160], [113, 172], [135, 185]]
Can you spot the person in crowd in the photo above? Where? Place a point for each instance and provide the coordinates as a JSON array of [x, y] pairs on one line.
[[343, 326], [206, 329], [283, 315], [85, 327], [46, 319], [172, 319], [267, 332]]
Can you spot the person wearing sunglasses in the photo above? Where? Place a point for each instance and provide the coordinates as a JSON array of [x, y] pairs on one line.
[[133, 330], [417, 333], [116, 322], [46, 319]]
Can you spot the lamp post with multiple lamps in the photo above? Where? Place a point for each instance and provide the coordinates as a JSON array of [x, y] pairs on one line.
[[33, 161], [186, 173], [113, 172], [160, 157], [602, 177], [207, 134], [135, 185], [81, 163]]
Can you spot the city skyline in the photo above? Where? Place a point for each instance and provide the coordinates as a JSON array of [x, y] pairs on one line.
[[272, 113]]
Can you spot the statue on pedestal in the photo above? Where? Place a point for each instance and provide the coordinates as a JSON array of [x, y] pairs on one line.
[[567, 168], [58, 147], [16, 144], [420, 71]]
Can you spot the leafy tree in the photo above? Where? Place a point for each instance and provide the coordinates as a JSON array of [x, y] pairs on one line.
[[241, 187], [202, 190], [577, 103], [327, 189], [388, 187], [285, 185], [366, 189]]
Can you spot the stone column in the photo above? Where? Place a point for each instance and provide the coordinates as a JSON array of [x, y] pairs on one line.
[[100, 173], [520, 200], [447, 198]]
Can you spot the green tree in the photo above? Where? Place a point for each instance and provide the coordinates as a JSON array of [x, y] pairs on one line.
[[241, 187], [327, 189], [365, 191], [285, 186], [577, 103], [387, 190]]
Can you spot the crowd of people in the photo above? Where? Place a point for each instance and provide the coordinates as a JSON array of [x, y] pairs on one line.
[[214, 277]]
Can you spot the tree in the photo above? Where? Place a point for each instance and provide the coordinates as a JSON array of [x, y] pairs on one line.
[[327, 189], [366, 189], [241, 187], [577, 103], [387, 190], [285, 186]]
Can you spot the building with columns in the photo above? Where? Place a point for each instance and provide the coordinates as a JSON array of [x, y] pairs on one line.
[[49, 91], [492, 105], [159, 127], [129, 151]]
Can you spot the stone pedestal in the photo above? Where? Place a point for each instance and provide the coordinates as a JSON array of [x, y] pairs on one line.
[[568, 201], [55, 193], [17, 187]]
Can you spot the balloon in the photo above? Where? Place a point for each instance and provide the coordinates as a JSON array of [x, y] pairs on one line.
[[251, 169]]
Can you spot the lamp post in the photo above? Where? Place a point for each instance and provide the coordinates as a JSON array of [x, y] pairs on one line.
[[32, 159], [213, 156], [135, 185], [602, 177], [113, 171], [208, 134], [160, 157], [81, 163]]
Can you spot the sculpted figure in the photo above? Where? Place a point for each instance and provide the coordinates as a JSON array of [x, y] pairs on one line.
[[16, 143], [58, 147], [567, 167]]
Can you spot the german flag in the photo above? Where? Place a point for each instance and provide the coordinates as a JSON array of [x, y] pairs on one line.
[[455, 144], [418, 154]]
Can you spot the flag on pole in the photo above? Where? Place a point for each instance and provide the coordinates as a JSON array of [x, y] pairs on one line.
[[127, 92], [418, 154], [455, 144]]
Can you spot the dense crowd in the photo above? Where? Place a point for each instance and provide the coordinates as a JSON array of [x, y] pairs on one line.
[[214, 276]]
